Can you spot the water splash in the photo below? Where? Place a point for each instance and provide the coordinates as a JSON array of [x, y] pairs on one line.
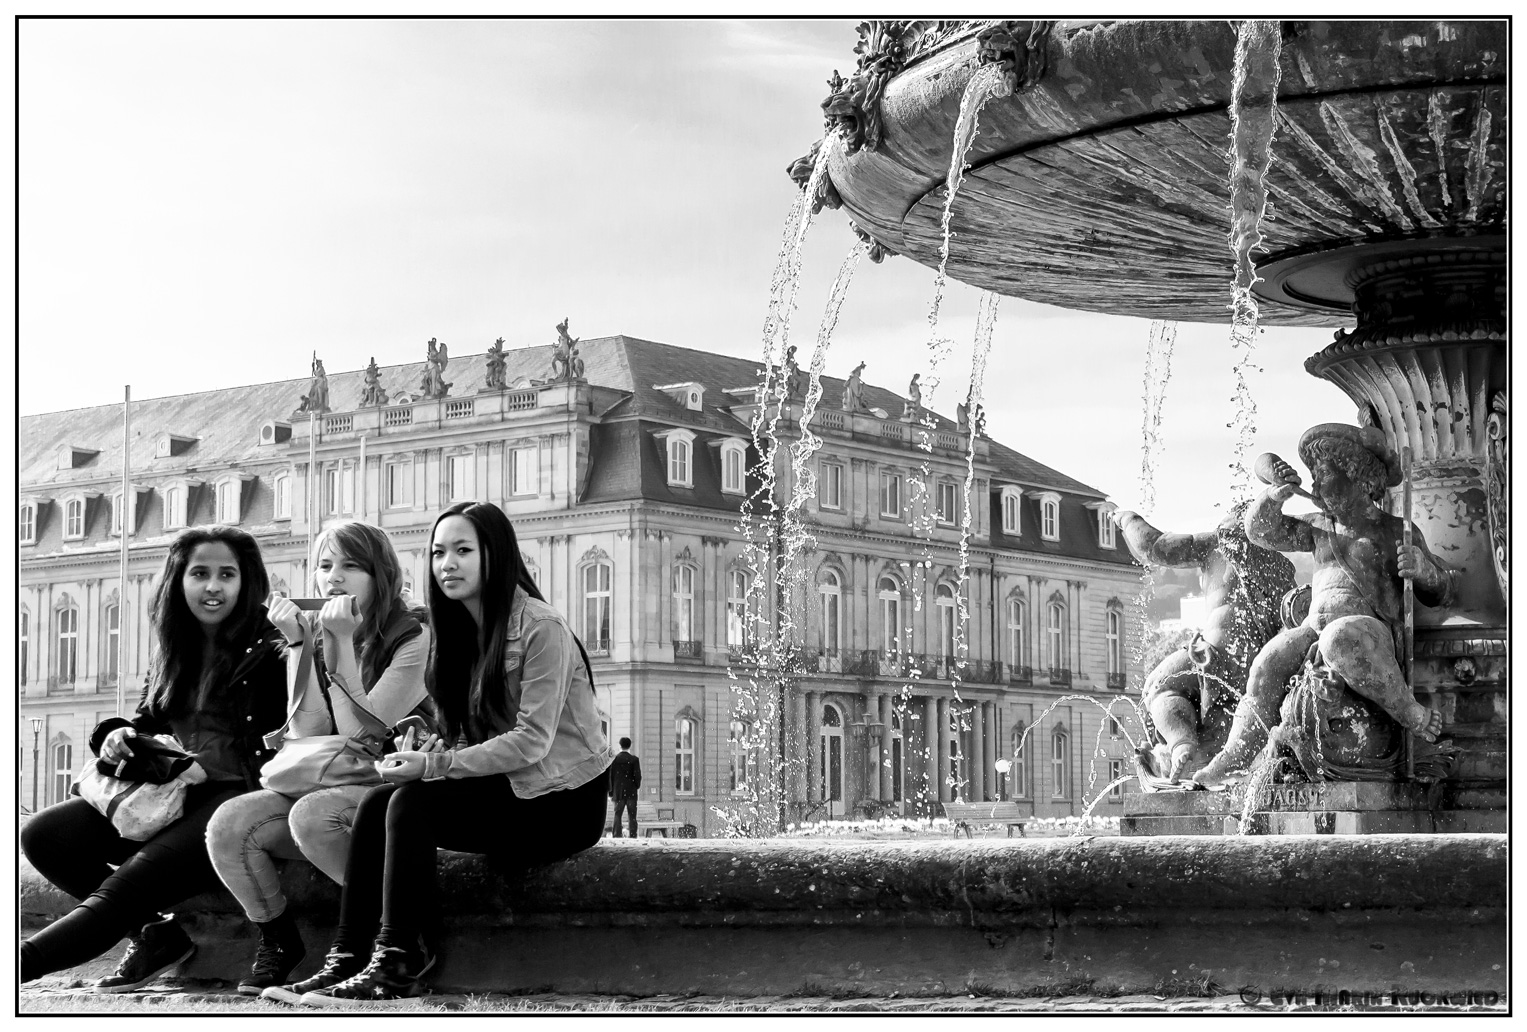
[[1253, 119], [1158, 373], [986, 321]]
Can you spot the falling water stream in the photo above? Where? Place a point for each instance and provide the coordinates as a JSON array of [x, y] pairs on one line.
[[1158, 373], [1253, 119]]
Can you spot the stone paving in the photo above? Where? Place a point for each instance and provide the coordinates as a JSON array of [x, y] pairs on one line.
[[61, 996]]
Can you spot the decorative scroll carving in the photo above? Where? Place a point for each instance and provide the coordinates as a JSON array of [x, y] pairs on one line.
[[877, 252], [1497, 499], [1019, 47]]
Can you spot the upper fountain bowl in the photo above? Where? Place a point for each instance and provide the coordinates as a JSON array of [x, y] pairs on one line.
[[1103, 183]]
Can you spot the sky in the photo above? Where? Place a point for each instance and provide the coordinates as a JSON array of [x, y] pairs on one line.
[[205, 203]]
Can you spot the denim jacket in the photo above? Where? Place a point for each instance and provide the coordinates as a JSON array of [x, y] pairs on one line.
[[556, 740]]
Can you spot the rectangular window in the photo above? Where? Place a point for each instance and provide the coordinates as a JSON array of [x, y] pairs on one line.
[[331, 491], [1011, 514], [732, 460], [400, 485], [1105, 530], [174, 506], [1114, 635], [890, 494], [24, 645], [1059, 766], [74, 518], [948, 504], [27, 525], [228, 502], [113, 642], [596, 607], [830, 486], [741, 759], [684, 756], [683, 603], [1050, 520], [1115, 779], [283, 493], [1021, 767], [68, 644], [1017, 617], [459, 478], [524, 472], [63, 771]]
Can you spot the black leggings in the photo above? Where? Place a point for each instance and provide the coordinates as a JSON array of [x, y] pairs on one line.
[[390, 875], [72, 843]]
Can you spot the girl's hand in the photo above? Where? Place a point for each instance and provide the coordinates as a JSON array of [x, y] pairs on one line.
[[285, 617], [340, 616], [114, 749], [402, 767]]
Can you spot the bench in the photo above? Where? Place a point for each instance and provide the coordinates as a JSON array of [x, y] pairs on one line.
[[963, 815], [648, 818]]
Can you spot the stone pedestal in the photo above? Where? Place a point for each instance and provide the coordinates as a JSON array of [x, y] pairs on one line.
[[1328, 808]]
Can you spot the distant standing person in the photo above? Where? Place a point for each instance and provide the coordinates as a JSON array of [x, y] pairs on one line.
[[625, 780]]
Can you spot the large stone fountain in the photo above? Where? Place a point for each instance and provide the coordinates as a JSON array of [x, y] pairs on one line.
[[1100, 180]]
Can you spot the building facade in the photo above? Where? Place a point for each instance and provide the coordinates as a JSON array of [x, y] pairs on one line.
[[624, 484]]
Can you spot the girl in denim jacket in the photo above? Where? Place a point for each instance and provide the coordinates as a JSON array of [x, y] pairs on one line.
[[525, 779]]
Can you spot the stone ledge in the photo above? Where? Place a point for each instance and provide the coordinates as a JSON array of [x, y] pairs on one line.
[[1400, 912]]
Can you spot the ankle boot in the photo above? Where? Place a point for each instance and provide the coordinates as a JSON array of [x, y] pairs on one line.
[[281, 950]]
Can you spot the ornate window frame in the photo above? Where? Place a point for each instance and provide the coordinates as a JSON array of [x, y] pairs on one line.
[[1012, 511]]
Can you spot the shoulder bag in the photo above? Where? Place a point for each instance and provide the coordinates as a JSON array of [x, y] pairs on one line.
[[306, 764]]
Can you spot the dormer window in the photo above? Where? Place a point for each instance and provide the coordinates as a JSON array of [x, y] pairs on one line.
[[680, 447], [1049, 516], [26, 524], [1105, 523], [72, 456], [228, 499], [175, 498], [734, 460], [1012, 511], [689, 394], [281, 489], [167, 445], [74, 518]]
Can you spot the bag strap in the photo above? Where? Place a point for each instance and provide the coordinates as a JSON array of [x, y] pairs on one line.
[[586, 667], [376, 730]]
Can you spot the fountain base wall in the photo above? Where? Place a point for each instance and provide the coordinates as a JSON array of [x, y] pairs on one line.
[[1391, 913]]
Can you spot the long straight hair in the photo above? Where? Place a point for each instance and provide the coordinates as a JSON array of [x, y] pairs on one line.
[[465, 671], [371, 549], [177, 678]]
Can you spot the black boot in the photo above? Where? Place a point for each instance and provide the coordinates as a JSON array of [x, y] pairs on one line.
[[158, 946], [340, 963], [280, 952], [394, 976]]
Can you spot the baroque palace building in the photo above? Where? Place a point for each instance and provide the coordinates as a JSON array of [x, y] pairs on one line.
[[623, 464]]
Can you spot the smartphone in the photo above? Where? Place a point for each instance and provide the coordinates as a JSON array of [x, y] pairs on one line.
[[309, 605], [410, 732]]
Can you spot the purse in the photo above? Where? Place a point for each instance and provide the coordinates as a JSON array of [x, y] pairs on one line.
[[306, 764], [138, 810]]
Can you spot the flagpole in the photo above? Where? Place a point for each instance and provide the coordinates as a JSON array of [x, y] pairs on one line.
[[126, 515]]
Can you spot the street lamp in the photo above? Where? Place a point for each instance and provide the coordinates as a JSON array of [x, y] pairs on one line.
[[36, 735]]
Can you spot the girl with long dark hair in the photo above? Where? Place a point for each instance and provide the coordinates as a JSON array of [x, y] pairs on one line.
[[356, 668], [525, 778], [217, 682]]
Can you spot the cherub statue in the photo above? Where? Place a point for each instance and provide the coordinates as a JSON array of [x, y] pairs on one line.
[[1191, 693], [1361, 565], [496, 362], [373, 393], [316, 400], [853, 390], [435, 361]]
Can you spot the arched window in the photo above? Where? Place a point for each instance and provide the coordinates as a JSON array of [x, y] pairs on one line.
[[174, 506], [683, 603], [733, 465], [26, 524], [63, 769], [226, 499], [24, 645], [1012, 511], [1060, 764], [281, 487], [1055, 636], [1017, 633], [685, 731], [741, 756], [890, 615], [832, 753], [737, 584], [1049, 516], [597, 578], [111, 665], [680, 457], [943, 600], [1114, 637], [831, 591], [74, 519], [68, 620]]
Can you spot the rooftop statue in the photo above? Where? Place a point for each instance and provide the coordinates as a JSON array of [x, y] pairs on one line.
[[373, 394], [853, 391], [1192, 692], [914, 404], [316, 400], [435, 361], [793, 374], [565, 363], [962, 415], [1354, 633], [495, 378]]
